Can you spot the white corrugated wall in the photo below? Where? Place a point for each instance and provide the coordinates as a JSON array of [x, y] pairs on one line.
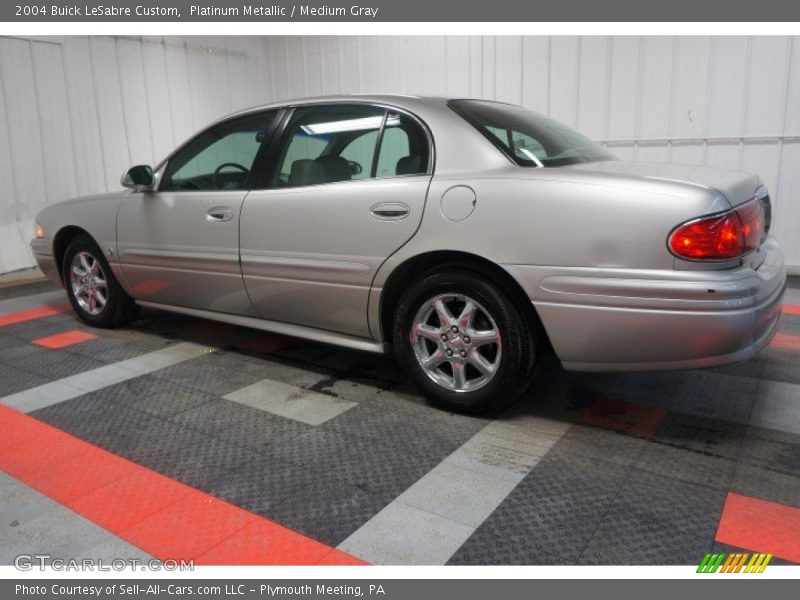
[[75, 112]]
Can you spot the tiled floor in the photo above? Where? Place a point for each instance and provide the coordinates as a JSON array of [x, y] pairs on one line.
[[337, 447]]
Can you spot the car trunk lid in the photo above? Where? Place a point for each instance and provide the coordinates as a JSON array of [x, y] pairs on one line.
[[737, 187]]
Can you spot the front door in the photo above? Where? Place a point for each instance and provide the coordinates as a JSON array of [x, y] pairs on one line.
[[347, 189], [179, 245]]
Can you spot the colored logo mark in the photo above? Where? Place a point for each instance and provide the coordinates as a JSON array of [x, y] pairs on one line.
[[734, 563]]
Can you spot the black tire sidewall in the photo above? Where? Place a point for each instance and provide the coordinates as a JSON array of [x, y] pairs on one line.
[[516, 364]]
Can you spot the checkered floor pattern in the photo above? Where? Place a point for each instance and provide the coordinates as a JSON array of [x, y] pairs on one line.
[[188, 439]]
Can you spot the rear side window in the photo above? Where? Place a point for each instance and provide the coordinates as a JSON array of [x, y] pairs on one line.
[[404, 148], [529, 139], [333, 144], [361, 152]]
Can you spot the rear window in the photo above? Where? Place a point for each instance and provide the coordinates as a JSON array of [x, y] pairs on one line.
[[528, 138]]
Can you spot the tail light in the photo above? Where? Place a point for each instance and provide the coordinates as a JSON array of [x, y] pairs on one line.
[[722, 236]]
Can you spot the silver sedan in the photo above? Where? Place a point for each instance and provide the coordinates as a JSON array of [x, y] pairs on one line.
[[467, 237]]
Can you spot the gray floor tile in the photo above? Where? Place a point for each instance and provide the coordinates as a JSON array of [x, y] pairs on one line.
[[776, 406], [211, 416], [687, 465], [261, 431], [772, 450], [47, 363], [484, 549], [712, 437], [14, 380], [383, 467], [610, 445], [559, 505], [217, 373], [312, 503], [656, 521], [156, 396], [766, 484]]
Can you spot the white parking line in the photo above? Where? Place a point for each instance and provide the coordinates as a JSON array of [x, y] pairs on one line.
[[89, 381], [775, 406], [430, 521], [33, 301], [291, 401]]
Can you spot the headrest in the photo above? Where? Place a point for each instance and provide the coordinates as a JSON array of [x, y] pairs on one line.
[[306, 172], [335, 168], [408, 165]]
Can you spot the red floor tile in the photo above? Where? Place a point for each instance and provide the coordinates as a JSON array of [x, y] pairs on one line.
[[265, 543], [62, 340], [30, 314], [130, 500], [13, 429], [760, 526], [785, 341], [637, 419], [337, 557], [21, 460], [189, 527], [79, 476], [161, 516]]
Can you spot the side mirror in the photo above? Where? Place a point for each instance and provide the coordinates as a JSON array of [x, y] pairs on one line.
[[138, 178]]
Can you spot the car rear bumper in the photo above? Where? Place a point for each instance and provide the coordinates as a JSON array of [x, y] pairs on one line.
[[618, 320]]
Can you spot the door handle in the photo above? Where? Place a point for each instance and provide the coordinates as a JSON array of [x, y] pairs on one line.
[[390, 211], [219, 214]]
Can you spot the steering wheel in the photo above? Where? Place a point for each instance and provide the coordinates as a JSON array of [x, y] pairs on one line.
[[218, 170]]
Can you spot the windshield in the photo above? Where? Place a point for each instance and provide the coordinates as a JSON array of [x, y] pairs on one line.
[[528, 138]]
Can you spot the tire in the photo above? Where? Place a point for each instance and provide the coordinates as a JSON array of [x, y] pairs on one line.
[[118, 308], [462, 383]]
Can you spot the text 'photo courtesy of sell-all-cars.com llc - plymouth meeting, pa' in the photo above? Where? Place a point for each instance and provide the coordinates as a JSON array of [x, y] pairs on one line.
[[469, 238]]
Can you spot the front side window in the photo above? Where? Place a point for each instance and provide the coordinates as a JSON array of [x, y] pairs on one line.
[[329, 144], [527, 137], [220, 158]]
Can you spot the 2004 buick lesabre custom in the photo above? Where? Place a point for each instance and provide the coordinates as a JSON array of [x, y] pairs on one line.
[[469, 237]]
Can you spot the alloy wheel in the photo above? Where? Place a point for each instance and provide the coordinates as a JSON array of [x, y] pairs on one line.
[[89, 283], [456, 342]]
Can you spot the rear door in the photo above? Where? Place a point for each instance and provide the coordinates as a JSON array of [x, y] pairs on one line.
[[346, 188]]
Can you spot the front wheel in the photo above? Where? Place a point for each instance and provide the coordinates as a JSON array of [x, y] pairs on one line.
[[93, 291], [464, 342]]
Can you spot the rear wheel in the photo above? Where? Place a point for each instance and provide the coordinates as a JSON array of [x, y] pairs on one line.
[[93, 291], [464, 342]]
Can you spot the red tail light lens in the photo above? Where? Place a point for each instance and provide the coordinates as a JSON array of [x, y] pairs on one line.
[[719, 237], [752, 218]]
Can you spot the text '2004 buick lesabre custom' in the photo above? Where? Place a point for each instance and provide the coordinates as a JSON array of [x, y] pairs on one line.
[[468, 237]]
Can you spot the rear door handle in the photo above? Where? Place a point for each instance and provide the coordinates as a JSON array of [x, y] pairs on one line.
[[219, 214], [390, 211]]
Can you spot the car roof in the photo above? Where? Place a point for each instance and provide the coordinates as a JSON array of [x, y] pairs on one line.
[[408, 102]]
